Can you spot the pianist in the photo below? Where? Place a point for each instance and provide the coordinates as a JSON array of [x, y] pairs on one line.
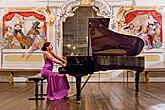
[[58, 85]]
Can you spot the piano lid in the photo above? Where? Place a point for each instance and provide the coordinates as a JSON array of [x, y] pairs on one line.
[[106, 42]]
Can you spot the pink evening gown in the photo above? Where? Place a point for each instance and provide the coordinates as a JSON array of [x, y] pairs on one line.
[[58, 85]]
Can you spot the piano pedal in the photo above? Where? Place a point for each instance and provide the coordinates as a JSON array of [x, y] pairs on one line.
[[71, 95], [78, 102]]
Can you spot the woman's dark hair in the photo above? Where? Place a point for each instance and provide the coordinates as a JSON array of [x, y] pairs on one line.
[[45, 45]]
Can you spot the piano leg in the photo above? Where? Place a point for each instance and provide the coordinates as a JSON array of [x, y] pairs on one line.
[[78, 86], [85, 82], [137, 82]]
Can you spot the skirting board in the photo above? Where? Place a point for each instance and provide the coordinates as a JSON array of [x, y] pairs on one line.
[[72, 79]]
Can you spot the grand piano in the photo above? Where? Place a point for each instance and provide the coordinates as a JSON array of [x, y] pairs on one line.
[[107, 50]]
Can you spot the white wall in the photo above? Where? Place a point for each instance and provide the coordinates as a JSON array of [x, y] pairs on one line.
[[150, 2], [36, 3], [30, 3], [18, 3]]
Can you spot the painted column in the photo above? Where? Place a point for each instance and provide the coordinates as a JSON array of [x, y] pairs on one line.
[[58, 32], [52, 33]]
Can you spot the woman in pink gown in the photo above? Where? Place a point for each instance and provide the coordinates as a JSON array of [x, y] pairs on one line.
[[58, 85]]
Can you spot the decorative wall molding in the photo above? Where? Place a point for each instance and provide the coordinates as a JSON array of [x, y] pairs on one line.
[[12, 58], [104, 8], [69, 7], [67, 10]]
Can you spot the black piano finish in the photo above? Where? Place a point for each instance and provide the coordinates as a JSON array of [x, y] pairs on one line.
[[78, 66], [107, 50]]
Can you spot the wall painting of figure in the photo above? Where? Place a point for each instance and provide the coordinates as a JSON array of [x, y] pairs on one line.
[[144, 23], [23, 30]]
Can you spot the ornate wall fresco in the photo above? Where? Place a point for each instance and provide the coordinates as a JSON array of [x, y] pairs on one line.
[[23, 31], [22, 28], [144, 22]]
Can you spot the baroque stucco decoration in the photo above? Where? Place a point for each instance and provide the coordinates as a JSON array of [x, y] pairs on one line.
[[69, 7], [67, 10], [102, 8]]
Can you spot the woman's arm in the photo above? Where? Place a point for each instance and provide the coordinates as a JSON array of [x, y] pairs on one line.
[[59, 58], [52, 58]]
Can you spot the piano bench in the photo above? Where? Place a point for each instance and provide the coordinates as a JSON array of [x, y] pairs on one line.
[[147, 70], [38, 80]]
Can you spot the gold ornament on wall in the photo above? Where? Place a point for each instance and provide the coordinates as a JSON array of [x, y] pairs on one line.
[[85, 2], [50, 16], [51, 21]]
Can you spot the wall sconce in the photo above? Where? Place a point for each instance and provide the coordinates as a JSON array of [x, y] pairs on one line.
[[51, 21], [50, 16]]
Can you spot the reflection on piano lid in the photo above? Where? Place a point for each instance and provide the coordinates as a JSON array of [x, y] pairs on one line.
[[106, 42], [118, 62]]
